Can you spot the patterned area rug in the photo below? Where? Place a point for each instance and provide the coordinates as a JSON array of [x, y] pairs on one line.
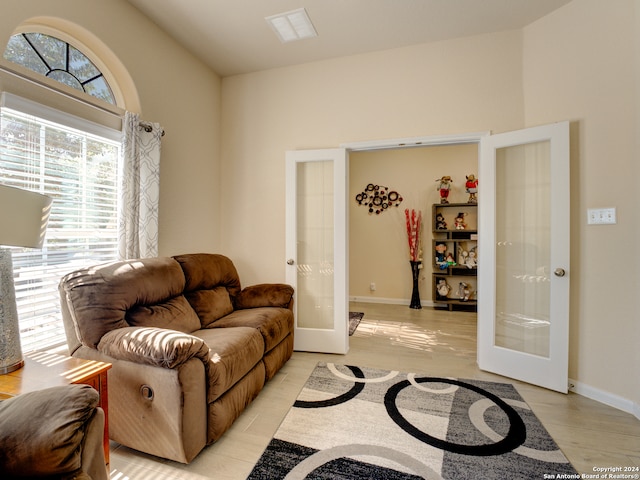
[[359, 423], [354, 321]]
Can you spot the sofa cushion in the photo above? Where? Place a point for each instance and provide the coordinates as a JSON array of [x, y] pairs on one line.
[[205, 271], [210, 305], [265, 295], [176, 314], [273, 323], [233, 353], [229, 406], [102, 295], [41, 432]]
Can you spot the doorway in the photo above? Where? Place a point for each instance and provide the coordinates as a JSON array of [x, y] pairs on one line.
[[379, 269], [553, 152]]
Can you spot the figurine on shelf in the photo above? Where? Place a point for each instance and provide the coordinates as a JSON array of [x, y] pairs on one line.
[[450, 260], [463, 292], [442, 288], [471, 261], [441, 224], [460, 225], [444, 185], [471, 186], [441, 261]]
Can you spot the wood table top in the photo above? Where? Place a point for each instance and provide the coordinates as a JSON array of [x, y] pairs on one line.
[[43, 370]]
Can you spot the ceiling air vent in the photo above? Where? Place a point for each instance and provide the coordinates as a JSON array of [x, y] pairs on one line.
[[292, 26]]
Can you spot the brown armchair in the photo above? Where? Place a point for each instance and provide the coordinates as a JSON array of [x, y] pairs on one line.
[[55, 433]]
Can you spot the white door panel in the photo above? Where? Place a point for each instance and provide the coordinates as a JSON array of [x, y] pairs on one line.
[[316, 189], [523, 314]]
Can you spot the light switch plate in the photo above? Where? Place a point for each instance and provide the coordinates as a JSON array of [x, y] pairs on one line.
[[601, 216]]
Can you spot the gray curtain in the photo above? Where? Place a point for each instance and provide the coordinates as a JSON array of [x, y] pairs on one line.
[[138, 219]]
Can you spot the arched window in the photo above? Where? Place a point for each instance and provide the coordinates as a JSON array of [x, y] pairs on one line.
[[73, 159], [60, 61]]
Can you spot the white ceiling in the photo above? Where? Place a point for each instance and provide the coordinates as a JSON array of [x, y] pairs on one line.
[[233, 37]]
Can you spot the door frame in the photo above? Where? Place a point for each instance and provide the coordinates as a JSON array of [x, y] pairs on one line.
[[407, 142], [421, 141], [411, 142]]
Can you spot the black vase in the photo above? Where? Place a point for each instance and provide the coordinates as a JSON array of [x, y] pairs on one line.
[[415, 294]]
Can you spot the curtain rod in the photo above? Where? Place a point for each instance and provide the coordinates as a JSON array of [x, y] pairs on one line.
[[149, 128]]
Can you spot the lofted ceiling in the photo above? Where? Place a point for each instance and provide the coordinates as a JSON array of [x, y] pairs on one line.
[[233, 37]]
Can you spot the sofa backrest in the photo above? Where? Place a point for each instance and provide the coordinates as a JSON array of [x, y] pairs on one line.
[[184, 293], [212, 284], [101, 298]]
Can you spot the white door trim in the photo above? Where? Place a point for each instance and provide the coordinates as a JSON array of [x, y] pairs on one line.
[[421, 141], [405, 142]]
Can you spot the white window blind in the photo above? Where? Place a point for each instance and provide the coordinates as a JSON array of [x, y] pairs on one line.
[[79, 170]]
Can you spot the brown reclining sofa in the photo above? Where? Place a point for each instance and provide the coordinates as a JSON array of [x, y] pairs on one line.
[[190, 348]]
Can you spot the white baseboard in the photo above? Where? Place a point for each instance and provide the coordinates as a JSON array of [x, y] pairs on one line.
[[607, 398], [392, 301]]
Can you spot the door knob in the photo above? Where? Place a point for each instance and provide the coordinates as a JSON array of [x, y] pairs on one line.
[[290, 261], [559, 272]]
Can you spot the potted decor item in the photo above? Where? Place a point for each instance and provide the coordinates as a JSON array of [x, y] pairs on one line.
[[414, 225]]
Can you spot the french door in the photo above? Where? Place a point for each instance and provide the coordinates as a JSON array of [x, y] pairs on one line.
[[316, 248], [523, 283]]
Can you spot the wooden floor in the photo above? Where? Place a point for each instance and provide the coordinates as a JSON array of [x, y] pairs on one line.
[[396, 337]]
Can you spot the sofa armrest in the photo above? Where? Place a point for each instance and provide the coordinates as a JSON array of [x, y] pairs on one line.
[[265, 295], [41, 432], [153, 346]]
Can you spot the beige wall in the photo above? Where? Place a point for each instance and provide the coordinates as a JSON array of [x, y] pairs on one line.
[[378, 246], [441, 88], [577, 64], [580, 65], [175, 89]]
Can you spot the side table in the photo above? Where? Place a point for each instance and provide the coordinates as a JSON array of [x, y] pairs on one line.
[[43, 370]]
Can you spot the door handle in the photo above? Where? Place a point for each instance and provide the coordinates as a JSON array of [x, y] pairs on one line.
[[290, 261], [559, 272]]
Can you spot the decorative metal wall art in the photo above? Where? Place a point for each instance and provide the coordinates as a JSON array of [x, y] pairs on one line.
[[378, 198]]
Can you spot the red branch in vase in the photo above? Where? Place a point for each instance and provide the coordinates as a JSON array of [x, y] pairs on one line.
[[414, 224]]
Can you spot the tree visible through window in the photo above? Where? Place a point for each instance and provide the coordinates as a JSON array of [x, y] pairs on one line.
[[60, 61]]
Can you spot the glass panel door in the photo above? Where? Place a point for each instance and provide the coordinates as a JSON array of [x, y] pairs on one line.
[[315, 244], [317, 240], [523, 283], [523, 245]]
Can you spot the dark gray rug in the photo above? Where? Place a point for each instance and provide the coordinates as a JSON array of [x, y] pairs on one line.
[[354, 321], [361, 423]]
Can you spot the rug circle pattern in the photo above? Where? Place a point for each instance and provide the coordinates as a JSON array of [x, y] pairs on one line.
[[361, 423]]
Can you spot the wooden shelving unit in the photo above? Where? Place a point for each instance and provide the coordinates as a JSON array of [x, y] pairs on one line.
[[455, 245]]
